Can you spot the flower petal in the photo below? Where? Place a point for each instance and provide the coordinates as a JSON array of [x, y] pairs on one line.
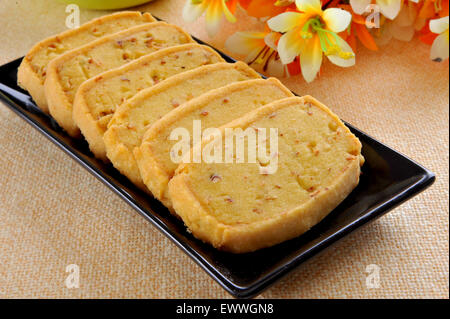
[[337, 20], [271, 39], [439, 25], [310, 6], [390, 8], [261, 9], [419, 23], [360, 6], [213, 17], [252, 57], [290, 45], [365, 37], [439, 49], [402, 33], [384, 35], [336, 59], [231, 5], [293, 68], [192, 12], [245, 42], [311, 58], [407, 15], [226, 11], [275, 67], [285, 21], [283, 3]]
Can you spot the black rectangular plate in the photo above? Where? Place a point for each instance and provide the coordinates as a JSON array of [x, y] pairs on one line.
[[388, 179]]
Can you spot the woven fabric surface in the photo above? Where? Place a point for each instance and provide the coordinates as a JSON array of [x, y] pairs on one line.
[[54, 213]]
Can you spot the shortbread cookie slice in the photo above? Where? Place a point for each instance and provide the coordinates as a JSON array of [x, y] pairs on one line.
[[213, 109], [32, 71], [68, 71], [135, 116], [97, 99], [240, 208]]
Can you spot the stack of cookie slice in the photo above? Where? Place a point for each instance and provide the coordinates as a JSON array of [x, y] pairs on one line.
[[126, 83]]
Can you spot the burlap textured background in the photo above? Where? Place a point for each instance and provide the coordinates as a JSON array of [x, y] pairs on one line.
[[53, 213]]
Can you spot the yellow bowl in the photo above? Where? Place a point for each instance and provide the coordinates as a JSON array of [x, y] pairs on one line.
[[105, 4]]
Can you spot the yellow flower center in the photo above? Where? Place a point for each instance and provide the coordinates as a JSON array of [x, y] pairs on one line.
[[329, 45]]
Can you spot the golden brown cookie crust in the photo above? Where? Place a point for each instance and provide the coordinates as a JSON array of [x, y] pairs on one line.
[[27, 76], [83, 111], [153, 172], [60, 107], [247, 237]]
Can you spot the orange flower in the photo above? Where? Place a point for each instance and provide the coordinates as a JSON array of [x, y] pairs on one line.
[[311, 33]]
